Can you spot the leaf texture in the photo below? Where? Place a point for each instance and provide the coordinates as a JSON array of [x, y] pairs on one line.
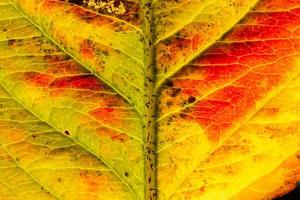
[[187, 27], [155, 100], [237, 104], [35, 150], [110, 44], [46, 81]]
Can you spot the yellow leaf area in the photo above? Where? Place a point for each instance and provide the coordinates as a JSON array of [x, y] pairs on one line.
[[100, 97], [229, 124], [37, 162]]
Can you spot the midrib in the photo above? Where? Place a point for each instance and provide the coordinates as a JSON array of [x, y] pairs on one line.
[[151, 104]]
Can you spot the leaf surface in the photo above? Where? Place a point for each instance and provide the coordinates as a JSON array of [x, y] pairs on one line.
[[108, 41], [48, 83], [165, 100], [186, 28], [233, 112]]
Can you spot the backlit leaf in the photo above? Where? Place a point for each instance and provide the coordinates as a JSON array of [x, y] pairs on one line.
[[155, 100]]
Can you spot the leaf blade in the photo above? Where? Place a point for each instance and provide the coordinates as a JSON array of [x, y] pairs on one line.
[[39, 150], [48, 71], [108, 47], [235, 66], [204, 25]]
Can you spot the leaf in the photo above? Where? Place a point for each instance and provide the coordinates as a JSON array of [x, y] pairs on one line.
[[162, 100]]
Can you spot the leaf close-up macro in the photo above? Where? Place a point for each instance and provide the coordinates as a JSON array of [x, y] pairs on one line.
[[149, 99]]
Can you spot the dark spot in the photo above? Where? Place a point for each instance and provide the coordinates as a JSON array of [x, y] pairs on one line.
[[191, 99], [183, 115], [67, 132], [98, 173], [11, 42], [59, 179], [78, 2], [126, 174], [169, 84], [169, 103], [106, 53], [175, 92]]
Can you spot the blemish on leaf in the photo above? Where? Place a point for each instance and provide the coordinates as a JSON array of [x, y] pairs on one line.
[[11, 42], [78, 2], [175, 92], [67, 133], [191, 99], [169, 84]]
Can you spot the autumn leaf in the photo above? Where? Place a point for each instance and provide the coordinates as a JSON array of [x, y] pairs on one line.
[[166, 100]]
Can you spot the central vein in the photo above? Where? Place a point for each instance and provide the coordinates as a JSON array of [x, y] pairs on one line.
[[151, 104]]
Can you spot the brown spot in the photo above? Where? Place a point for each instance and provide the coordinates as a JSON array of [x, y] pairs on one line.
[[191, 99], [174, 92], [183, 115], [169, 103], [169, 84], [67, 132], [11, 42]]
